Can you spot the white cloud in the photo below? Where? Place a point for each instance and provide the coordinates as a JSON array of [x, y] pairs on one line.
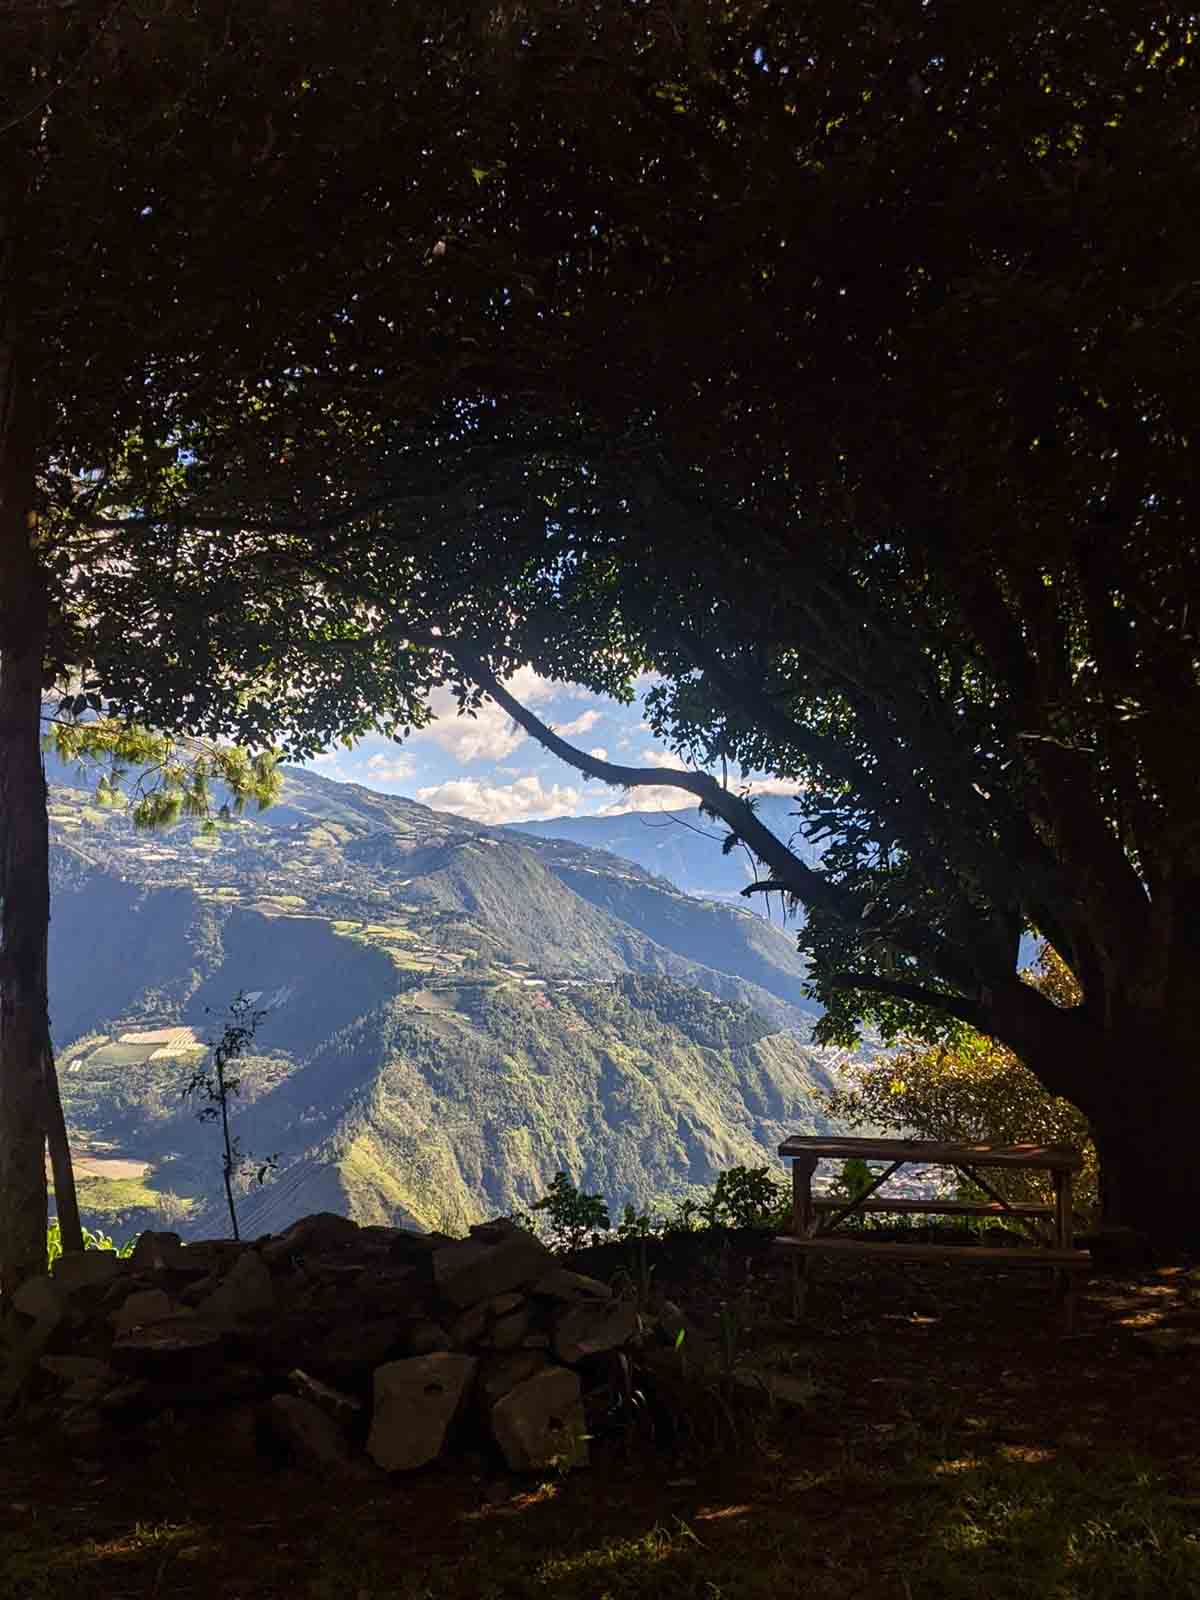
[[490, 734], [509, 802], [599, 753], [787, 786], [329, 765], [650, 797], [384, 768], [659, 758], [583, 723]]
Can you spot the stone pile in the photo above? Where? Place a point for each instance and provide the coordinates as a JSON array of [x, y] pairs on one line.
[[346, 1345]]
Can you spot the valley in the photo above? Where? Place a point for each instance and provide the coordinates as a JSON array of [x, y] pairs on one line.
[[449, 1014]]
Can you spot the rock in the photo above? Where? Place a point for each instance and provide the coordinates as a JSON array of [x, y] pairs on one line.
[[390, 1291], [588, 1330], [128, 1401], [413, 1247], [23, 1357], [540, 1422], [504, 1303], [309, 1433], [245, 1292], [474, 1269], [497, 1230], [507, 1332], [78, 1369], [470, 1325], [358, 1348], [415, 1403], [500, 1374], [421, 1336], [571, 1287], [325, 1231], [139, 1310], [343, 1408], [181, 1350], [40, 1297], [153, 1252], [87, 1269]]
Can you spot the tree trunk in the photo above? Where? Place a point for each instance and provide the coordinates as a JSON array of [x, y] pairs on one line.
[[24, 863], [66, 1201], [1138, 1086]]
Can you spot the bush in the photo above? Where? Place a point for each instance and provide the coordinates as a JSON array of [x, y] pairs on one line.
[[973, 1089]]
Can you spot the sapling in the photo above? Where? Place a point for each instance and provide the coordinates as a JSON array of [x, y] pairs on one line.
[[213, 1084]]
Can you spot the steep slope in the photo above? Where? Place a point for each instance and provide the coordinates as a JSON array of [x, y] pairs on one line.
[[681, 846], [450, 1013]]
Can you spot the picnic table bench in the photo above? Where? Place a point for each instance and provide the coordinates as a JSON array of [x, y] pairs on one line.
[[1051, 1226]]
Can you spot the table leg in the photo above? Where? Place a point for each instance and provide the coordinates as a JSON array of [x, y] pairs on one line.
[[1064, 1214], [803, 1168], [1064, 1239]]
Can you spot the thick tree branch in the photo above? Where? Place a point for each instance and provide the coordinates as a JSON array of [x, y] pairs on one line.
[[794, 877]]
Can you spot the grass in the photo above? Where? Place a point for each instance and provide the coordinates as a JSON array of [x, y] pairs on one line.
[[945, 1528]]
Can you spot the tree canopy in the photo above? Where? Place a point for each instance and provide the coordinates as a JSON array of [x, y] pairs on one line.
[[833, 362]]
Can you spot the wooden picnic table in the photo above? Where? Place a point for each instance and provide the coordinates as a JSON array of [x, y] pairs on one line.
[[1054, 1245]]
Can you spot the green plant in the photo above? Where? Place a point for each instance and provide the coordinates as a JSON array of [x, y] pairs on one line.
[[576, 1219], [746, 1197], [853, 1180], [91, 1241], [213, 1084]]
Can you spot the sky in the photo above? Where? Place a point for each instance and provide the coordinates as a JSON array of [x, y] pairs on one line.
[[488, 769]]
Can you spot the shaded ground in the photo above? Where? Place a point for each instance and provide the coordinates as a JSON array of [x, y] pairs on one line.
[[948, 1443]]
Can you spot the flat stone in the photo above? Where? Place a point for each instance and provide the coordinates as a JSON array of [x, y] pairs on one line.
[[422, 1336], [540, 1423], [40, 1297], [128, 1400], [309, 1433], [571, 1287], [246, 1291], [357, 1348], [325, 1231], [142, 1308], [470, 1325], [154, 1251], [501, 1373], [181, 1350], [87, 1269], [589, 1330], [507, 1332], [415, 1403], [474, 1269], [78, 1369]]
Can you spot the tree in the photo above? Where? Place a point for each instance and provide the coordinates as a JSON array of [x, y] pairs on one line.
[[867, 339], [188, 201]]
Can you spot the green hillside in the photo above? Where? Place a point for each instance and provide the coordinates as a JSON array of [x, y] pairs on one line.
[[452, 1014]]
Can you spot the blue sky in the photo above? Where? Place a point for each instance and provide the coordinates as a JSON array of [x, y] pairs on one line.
[[487, 769]]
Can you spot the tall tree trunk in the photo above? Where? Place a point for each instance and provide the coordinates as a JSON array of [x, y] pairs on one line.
[[24, 858], [1139, 1088], [66, 1201]]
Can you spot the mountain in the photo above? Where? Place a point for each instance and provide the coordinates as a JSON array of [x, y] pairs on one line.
[[681, 846], [451, 1013]]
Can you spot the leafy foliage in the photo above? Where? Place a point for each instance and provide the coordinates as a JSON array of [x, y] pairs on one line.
[[972, 1089]]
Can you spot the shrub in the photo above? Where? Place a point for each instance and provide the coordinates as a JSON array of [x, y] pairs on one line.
[[973, 1089]]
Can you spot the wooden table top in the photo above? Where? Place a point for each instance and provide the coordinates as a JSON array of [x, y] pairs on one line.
[[1048, 1157]]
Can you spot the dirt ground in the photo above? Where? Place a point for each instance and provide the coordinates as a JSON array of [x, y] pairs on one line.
[[938, 1438]]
